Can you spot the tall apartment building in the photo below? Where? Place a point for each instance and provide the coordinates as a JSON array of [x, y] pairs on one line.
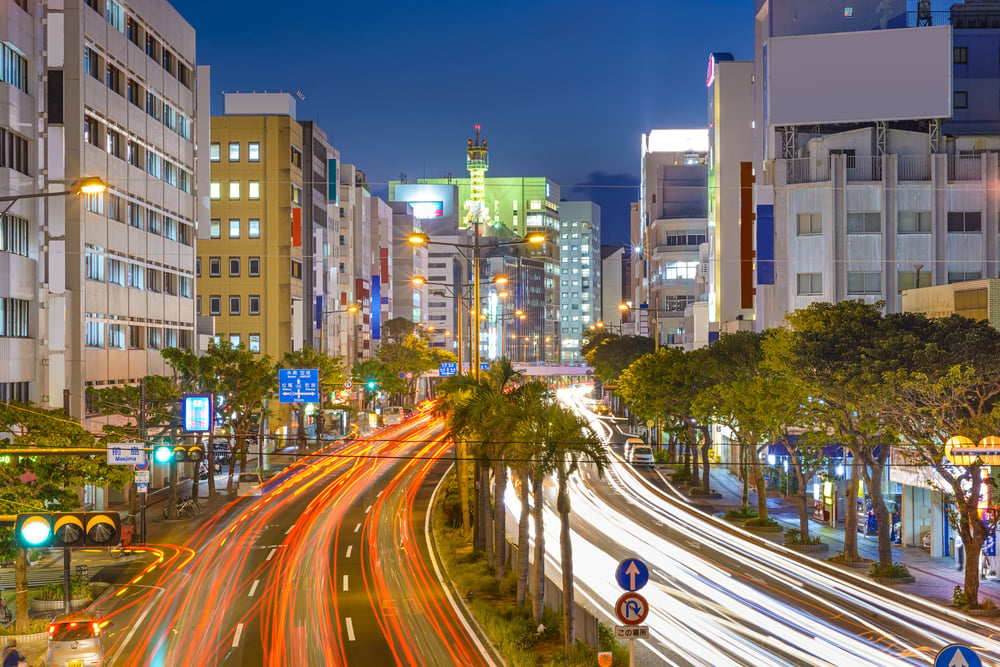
[[96, 285], [616, 281], [673, 223], [863, 200], [359, 261], [580, 272]]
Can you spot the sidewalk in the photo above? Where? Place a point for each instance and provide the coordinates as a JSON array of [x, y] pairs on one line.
[[936, 578]]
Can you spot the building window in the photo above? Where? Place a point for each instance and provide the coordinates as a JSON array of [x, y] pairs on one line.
[[296, 269], [965, 222], [296, 157], [94, 266], [116, 336], [253, 151], [93, 334], [214, 267], [234, 267], [91, 63], [961, 55], [13, 68], [91, 131], [864, 282], [214, 151], [168, 61], [254, 304], [253, 267], [215, 305], [197, 267], [133, 93], [153, 277], [14, 235], [234, 190], [152, 47], [253, 228], [215, 228], [14, 318], [154, 338], [115, 15], [961, 99], [963, 276], [116, 272], [234, 151], [296, 194], [184, 285], [215, 190], [234, 228], [135, 215], [114, 78], [253, 190], [255, 343], [152, 105], [907, 279], [810, 283], [14, 151], [234, 305], [864, 223], [132, 30], [914, 222], [135, 276]]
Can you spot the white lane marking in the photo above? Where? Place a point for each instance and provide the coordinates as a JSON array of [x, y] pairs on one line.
[[290, 529], [350, 628], [357, 528], [345, 582], [236, 637], [379, 494], [368, 509], [270, 555], [350, 548], [253, 588], [142, 617]]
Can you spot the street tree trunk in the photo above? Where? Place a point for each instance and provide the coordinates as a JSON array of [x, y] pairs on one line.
[[693, 447], [21, 620], [851, 520], [500, 518], [462, 470], [483, 511], [523, 523], [566, 554], [802, 499], [872, 470], [706, 445], [745, 475], [760, 484], [537, 490]]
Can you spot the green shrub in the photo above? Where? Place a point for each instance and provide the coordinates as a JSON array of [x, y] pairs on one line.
[[958, 598], [794, 536], [680, 476], [761, 522], [79, 590], [891, 571], [742, 513], [661, 456], [35, 626]]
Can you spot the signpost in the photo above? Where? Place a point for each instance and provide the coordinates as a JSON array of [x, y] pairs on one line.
[[447, 369], [631, 608], [298, 385], [957, 655], [348, 384], [126, 453], [142, 476]]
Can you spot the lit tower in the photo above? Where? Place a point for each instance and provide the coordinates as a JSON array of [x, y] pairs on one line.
[[478, 161]]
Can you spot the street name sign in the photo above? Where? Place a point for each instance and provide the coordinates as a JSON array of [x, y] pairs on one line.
[[632, 574], [126, 453], [298, 385], [632, 632], [957, 655], [447, 369], [631, 609]]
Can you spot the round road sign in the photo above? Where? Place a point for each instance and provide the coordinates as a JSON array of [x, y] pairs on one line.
[[631, 609], [632, 574], [954, 655], [348, 384], [142, 466]]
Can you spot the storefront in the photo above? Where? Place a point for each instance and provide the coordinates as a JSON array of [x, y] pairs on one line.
[[924, 515]]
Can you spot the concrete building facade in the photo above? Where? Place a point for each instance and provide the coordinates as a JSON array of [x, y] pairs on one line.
[[580, 273]]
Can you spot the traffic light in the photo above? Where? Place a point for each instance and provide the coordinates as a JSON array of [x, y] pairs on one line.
[[188, 453], [68, 529], [372, 384], [163, 453]]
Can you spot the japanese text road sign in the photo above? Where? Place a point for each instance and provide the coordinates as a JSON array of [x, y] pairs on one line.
[[126, 453], [298, 385], [632, 631], [631, 609], [632, 574]]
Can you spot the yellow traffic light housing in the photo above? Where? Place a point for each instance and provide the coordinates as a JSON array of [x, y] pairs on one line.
[[33, 530], [69, 529], [188, 453]]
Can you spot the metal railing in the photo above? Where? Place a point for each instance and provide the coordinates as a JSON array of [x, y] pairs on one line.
[[808, 170], [965, 168], [914, 167], [864, 168]]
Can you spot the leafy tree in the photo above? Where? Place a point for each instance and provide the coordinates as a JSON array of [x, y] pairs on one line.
[[331, 375], [49, 482], [610, 355], [412, 354]]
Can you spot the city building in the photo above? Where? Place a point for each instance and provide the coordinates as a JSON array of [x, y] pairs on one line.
[[867, 199], [730, 242], [615, 286], [358, 264], [580, 273], [672, 226], [94, 286]]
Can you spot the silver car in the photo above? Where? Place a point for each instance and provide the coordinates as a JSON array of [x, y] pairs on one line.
[[641, 455], [75, 640]]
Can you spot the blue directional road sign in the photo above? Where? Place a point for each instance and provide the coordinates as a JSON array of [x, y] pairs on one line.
[[484, 365], [298, 385], [447, 369], [957, 655], [632, 574]]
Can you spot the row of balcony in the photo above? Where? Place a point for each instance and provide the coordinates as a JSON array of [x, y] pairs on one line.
[[869, 168]]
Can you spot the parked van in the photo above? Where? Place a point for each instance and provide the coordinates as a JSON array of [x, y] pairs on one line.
[[641, 455], [630, 442]]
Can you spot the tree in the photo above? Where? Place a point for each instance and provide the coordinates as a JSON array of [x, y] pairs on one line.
[[411, 355], [610, 355], [192, 374], [48, 482]]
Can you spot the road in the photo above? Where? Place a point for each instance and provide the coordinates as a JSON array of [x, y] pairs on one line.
[[719, 596], [303, 574]]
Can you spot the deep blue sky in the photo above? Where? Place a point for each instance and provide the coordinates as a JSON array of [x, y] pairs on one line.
[[562, 89]]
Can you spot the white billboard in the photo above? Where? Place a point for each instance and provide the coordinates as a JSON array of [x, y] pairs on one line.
[[851, 77]]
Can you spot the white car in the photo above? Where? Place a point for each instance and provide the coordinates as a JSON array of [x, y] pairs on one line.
[[630, 442], [641, 455], [75, 640]]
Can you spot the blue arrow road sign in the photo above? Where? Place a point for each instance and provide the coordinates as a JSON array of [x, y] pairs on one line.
[[632, 574], [447, 369], [298, 385], [957, 655]]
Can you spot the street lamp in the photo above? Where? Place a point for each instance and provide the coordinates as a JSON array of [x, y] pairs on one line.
[[352, 309], [420, 281], [419, 238], [90, 185]]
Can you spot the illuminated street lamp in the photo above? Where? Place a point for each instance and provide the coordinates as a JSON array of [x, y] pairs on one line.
[[419, 238], [90, 185]]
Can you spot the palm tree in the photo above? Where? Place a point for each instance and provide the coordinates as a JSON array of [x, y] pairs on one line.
[[569, 444]]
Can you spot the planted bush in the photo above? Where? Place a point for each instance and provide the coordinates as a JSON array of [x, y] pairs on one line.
[[79, 590], [742, 513], [794, 536], [892, 571], [958, 598]]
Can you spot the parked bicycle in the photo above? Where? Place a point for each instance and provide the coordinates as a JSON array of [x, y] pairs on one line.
[[187, 507]]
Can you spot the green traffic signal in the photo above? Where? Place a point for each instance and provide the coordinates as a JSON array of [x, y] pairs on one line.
[[33, 530], [163, 454], [372, 384]]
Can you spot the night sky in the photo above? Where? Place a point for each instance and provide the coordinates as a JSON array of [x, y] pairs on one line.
[[562, 89]]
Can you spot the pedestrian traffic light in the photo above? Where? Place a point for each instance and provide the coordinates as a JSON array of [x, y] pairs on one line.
[[68, 529], [188, 453]]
